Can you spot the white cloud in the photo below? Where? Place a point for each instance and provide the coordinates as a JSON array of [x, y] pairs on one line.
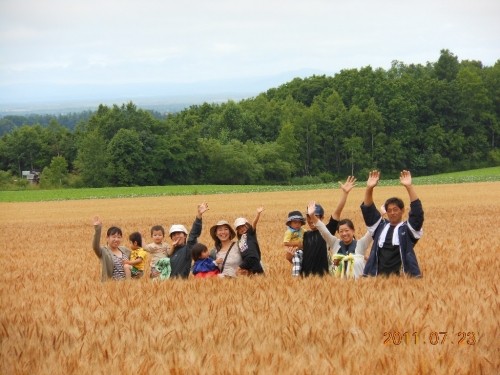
[[125, 41]]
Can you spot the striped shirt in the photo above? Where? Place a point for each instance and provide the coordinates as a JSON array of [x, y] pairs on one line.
[[118, 270]]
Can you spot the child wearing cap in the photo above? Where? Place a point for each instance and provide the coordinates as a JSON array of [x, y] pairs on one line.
[[293, 238], [294, 233], [182, 244], [249, 245]]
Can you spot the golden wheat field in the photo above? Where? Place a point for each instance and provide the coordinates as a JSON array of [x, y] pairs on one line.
[[58, 318]]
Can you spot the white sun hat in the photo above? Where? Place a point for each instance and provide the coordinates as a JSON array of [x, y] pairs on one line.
[[177, 228], [240, 221]]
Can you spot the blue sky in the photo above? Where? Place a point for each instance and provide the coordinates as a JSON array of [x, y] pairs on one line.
[[56, 50]]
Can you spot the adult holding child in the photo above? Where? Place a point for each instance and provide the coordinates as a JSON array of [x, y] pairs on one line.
[[225, 252], [111, 255], [347, 253], [313, 258], [182, 244], [393, 239]]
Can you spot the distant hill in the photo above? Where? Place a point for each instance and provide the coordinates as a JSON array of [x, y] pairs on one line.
[[161, 97], [163, 105]]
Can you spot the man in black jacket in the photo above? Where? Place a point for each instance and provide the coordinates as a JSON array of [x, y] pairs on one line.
[[393, 239]]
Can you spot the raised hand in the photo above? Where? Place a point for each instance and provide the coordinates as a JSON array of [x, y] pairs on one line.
[[348, 185], [405, 178], [311, 208], [202, 208], [178, 242], [373, 178], [260, 209], [96, 221]]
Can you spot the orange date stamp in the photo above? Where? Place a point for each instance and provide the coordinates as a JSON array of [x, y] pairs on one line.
[[431, 338]]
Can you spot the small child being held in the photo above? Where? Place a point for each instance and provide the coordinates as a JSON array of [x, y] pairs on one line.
[[158, 249], [204, 266], [293, 238], [134, 268], [294, 233]]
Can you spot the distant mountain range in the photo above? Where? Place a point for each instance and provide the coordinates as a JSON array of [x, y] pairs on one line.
[[161, 97]]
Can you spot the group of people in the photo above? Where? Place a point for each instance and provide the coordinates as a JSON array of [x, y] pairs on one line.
[[161, 260], [317, 251]]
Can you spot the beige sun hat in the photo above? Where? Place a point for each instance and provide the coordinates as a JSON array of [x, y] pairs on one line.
[[177, 228], [219, 224]]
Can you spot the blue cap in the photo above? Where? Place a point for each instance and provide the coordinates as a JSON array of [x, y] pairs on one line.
[[318, 211]]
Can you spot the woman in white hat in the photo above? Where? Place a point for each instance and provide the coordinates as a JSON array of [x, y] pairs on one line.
[[226, 253], [182, 242]]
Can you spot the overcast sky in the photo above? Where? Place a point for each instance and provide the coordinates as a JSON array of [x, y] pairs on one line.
[[52, 49]]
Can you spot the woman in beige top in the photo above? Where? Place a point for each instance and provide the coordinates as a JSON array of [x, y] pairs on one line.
[[226, 253]]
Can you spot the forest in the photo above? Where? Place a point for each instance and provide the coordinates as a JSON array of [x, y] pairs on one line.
[[439, 117]]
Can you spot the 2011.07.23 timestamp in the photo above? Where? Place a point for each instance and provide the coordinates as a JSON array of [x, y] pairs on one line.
[[432, 338]]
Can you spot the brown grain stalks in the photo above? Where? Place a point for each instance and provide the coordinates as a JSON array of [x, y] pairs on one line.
[[56, 317]]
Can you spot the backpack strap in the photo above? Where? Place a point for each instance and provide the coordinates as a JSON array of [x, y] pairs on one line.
[[225, 258]]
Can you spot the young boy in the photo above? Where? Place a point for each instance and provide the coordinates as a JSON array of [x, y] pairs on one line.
[[204, 266], [134, 268], [293, 238], [294, 233], [248, 245], [158, 249]]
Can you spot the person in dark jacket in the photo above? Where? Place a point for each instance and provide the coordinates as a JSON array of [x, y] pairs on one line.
[[313, 258], [249, 245], [394, 240], [182, 243]]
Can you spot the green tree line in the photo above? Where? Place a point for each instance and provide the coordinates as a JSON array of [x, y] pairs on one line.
[[438, 117]]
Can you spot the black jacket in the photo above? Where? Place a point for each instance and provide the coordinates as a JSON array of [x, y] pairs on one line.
[[315, 251], [180, 260], [250, 252]]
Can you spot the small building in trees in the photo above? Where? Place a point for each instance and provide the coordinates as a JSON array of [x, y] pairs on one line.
[[31, 176]]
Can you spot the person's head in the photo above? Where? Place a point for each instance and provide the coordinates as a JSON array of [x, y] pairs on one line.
[[241, 224], [222, 232], [346, 231], [395, 208], [295, 220], [319, 213], [178, 234], [135, 239], [199, 251], [157, 234], [114, 236]]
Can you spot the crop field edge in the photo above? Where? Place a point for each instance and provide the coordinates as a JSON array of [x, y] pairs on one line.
[[491, 174]]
